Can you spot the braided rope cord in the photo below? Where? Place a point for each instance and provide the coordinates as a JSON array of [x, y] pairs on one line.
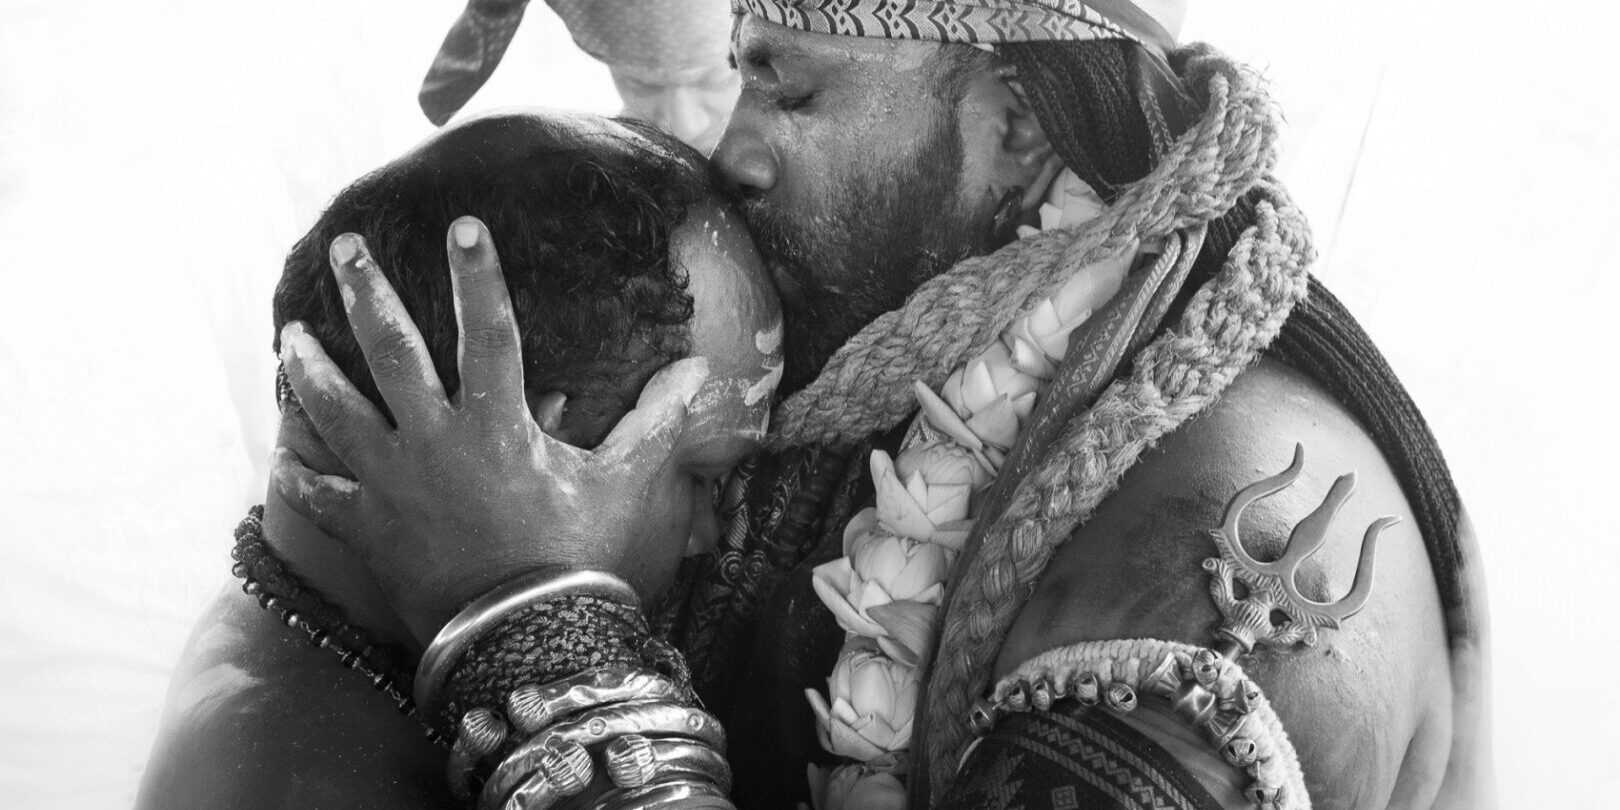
[[1223, 330], [1225, 327], [866, 387]]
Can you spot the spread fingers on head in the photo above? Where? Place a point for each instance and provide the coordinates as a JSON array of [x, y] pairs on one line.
[[490, 355], [646, 436], [394, 350], [347, 422], [331, 502]]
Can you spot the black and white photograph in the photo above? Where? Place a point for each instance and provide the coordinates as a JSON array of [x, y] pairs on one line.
[[808, 405]]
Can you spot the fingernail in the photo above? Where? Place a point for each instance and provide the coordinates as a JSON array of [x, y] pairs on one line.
[[298, 344], [465, 234], [344, 248], [288, 331]]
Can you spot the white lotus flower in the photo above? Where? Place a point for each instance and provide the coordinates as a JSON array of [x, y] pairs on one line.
[[878, 568], [940, 419], [900, 567], [935, 513], [1029, 358], [992, 396], [1077, 200], [873, 702], [1044, 328], [943, 462], [853, 786], [985, 378], [908, 629]]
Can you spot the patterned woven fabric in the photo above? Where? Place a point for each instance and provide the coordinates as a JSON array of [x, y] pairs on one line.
[[775, 509], [1087, 758], [979, 22]]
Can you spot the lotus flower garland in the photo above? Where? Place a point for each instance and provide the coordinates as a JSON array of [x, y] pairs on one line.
[[854, 787], [873, 701], [886, 589]]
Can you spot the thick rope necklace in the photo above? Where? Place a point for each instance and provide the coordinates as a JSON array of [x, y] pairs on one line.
[[869, 386], [866, 387]]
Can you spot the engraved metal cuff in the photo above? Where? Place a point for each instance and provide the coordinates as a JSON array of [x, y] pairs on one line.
[[602, 725], [534, 707], [634, 761]]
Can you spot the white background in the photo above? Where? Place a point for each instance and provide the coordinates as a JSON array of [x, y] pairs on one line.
[[157, 158]]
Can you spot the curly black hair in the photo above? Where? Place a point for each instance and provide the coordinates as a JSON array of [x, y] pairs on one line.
[[582, 226]]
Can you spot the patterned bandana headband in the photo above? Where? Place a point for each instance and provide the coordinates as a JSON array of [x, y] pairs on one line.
[[1152, 23]]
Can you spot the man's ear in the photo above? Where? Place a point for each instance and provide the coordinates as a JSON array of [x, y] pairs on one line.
[[997, 113], [548, 411]]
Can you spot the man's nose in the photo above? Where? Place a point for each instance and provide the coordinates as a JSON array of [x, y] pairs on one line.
[[744, 158]]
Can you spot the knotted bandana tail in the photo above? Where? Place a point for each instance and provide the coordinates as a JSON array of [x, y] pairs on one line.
[[470, 53]]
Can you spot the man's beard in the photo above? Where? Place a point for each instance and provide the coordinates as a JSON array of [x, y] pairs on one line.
[[886, 230]]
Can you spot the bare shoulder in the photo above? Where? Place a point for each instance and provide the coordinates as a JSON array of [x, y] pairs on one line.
[[1369, 701], [257, 718]]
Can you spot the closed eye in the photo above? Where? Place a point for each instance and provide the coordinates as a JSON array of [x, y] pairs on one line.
[[789, 103]]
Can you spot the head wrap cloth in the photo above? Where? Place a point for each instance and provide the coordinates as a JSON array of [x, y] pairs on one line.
[[634, 31], [1152, 23]]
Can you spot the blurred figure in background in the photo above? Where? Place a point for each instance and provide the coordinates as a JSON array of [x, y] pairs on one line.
[[667, 57]]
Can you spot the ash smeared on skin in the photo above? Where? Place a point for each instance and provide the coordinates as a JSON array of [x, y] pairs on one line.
[[769, 343], [769, 339], [309, 489], [681, 379], [764, 386]]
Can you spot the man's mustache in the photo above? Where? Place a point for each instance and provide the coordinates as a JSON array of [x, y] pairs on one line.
[[775, 234]]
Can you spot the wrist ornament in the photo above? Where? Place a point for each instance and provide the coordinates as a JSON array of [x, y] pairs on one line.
[[510, 616], [555, 680], [547, 642], [631, 725]]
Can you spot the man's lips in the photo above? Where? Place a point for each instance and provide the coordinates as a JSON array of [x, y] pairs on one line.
[[788, 288]]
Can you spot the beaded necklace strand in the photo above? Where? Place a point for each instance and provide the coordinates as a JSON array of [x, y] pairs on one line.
[[302, 608]]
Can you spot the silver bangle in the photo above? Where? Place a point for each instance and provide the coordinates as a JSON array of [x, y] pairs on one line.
[[685, 795], [603, 725], [635, 761], [479, 734], [533, 707], [560, 772], [486, 611]]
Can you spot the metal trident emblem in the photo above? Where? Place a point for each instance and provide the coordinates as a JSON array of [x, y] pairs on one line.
[[1273, 611]]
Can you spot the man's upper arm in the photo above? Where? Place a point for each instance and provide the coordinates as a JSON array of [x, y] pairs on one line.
[[1368, 706], [259, 719]]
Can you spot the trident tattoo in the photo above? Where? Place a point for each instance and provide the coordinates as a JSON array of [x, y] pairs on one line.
[[1273, 611]]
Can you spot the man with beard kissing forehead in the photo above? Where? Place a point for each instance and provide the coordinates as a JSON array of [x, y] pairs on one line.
[[1039, 282]]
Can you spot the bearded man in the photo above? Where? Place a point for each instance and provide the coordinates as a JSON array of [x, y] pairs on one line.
[[1054, 233]]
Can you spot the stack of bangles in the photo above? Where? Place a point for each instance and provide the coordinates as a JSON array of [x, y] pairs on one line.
[[556, 692]]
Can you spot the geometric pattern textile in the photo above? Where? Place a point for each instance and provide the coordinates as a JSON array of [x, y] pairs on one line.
[[1085, 758], [978, 22]]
